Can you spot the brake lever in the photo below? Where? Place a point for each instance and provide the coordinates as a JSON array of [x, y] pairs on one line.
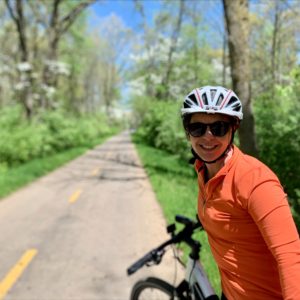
[[157, 257]]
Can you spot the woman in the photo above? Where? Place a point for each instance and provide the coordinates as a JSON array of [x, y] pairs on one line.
[[241, 204]]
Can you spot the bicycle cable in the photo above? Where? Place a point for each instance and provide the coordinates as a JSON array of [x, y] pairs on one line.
[[175, 264], [192, 270]]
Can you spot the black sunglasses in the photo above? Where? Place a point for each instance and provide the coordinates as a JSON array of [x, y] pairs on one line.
[[219, 128]]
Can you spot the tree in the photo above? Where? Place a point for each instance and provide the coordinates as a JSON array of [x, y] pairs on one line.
[[237, 21], [17, 14], [164, 92], [41, 59], [56, 28], [274, 45]]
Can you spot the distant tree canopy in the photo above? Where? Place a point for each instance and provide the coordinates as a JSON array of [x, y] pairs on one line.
[[51, 59]]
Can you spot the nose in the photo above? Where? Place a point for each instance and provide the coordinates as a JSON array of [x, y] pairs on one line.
[[208, 132]]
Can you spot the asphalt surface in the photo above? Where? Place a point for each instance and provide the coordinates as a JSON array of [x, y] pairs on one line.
[[73, 233]]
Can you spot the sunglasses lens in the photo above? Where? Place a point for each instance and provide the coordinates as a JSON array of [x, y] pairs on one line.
[[218, 128], [196, 129]]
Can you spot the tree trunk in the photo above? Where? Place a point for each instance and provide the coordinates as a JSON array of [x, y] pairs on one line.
[[57, 28], [196, 43], [274, 54], [237, 21], [224, 60], [174, 39], [19, 20], [149, 91]]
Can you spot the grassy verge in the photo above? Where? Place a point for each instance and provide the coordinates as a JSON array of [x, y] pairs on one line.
[[175, 184], [15, 177]]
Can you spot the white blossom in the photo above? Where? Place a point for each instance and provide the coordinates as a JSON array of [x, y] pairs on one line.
[[58, 67], [49, 90], [137, 87], [175, 91], [24, 66], [5, 69], [36, 96], [22, 85], [155, 79]]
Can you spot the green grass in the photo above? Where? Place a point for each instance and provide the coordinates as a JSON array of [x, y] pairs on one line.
[[16, 177], [175, 184]]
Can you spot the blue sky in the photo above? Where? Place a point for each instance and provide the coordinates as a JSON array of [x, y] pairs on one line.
[[125, 10]]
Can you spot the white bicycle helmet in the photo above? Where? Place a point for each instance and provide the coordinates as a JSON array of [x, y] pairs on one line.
[[213, 99]]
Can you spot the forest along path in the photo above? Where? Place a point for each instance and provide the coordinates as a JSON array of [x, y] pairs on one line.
[[73, 233]]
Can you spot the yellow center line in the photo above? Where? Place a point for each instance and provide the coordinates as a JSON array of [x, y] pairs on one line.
[[7, 283], [95, 172], [75, 196]]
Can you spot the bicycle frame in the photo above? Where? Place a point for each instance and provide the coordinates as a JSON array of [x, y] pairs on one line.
[[198, 281], [196, 285]]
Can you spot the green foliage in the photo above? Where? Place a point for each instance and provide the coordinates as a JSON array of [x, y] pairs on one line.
[[50, 133], [162, 128], [278, 126]]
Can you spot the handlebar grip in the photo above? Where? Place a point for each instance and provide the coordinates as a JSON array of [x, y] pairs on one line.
[[188, 222], [183, 220], [140, 263]]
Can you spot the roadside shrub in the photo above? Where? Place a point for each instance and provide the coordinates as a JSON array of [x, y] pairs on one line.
[[47, 134], [278, 127], [23, 144], [162, 128]]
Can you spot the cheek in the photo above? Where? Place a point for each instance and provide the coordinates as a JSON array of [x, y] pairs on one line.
[[193, 141]]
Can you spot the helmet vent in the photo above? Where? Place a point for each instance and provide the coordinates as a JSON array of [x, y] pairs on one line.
[[220, 99], [232, 100], [213, 93], [193, 98], [237, 107], [204, 98]]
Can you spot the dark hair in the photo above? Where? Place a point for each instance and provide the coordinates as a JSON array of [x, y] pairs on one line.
[[186, 119]]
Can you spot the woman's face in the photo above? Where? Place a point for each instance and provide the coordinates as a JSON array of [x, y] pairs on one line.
[[208, 146]]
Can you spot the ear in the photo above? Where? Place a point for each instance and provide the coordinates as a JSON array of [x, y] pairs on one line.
[[236, 125]]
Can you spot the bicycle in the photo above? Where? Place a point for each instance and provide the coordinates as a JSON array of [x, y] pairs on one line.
[[195, 286]]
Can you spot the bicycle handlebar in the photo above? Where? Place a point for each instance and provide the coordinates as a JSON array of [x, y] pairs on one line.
[[156, 254], [140, 263]]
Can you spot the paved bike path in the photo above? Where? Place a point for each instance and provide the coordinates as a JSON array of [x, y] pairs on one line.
[[73, 233]]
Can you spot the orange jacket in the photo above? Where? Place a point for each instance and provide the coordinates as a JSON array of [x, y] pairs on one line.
[[250, 229]]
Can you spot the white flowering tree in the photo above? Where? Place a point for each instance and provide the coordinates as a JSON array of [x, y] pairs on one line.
[[173, 55], [40, 25]]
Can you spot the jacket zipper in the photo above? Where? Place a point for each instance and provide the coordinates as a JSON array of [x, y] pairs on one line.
[[204, 199], [203, 207]]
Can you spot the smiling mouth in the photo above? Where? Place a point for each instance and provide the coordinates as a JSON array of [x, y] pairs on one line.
[[208, 148]]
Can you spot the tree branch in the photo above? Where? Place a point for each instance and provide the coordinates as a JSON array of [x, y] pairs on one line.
[[18, 18], [11, 11], [54, 15], [40, 18], [68, 20]]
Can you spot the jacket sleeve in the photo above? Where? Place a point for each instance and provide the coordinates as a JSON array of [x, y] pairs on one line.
[[269, 208]]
